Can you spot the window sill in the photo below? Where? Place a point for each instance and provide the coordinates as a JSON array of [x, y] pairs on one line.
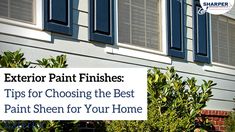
[[217, 68], [25, 32], [138, 54]]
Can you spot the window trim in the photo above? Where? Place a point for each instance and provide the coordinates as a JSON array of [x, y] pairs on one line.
[[213, 63], [27, 30], [141, 52], [123, 51], [219, 69]]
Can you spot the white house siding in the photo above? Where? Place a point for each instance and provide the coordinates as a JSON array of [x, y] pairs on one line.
[[231, 13], [82, 53]]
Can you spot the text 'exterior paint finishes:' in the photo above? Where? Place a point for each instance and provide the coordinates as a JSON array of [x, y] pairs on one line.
[[51, 77]]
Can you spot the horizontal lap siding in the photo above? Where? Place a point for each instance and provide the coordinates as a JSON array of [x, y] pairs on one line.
[[82, 53], [231, 13], [189, 31], [80, 20]]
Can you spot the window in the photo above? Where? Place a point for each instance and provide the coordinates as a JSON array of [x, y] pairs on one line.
[[223, 40], [36, 19], [19, 10], [23, 18], [139, 23], [149, 26]]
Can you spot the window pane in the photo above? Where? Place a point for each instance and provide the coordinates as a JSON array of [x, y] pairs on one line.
[[124, 21], [4, 8], [223, 38], [22, 10], [231, 45], [139, 23]]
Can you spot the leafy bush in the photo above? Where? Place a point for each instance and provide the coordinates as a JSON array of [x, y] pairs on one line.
[[16, 60], [173, 104], [230, 121], [38, 126], [56, 126], [58, 62], [13, 60]]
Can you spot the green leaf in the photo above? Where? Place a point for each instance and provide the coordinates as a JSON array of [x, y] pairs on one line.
[[164, 99]]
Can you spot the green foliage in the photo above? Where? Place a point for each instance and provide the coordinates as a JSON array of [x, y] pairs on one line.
[[56, 126], [173, 104], [13, 60], [202, 123], [16, 60], [230, 121], [38, 126], [58, 62], [19, 126]]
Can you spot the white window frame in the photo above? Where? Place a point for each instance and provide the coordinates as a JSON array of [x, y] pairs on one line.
[[27, 30], [141, 52]]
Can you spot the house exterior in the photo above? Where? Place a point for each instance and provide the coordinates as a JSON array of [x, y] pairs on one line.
[[128, 33]]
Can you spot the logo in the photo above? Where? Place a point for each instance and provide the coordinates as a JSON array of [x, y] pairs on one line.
[[216, 6]]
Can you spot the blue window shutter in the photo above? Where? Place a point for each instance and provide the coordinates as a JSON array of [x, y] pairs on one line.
[[101, 24], [58, 16], [176, 30], [201, 35]]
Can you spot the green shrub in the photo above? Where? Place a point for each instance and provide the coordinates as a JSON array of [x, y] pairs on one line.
[[38, 126], [230, 121], [58, 62], [13, 60], [173, 104], [16, 60]]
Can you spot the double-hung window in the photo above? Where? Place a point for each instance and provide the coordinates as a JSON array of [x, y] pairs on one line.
[[23, 18], [223, 38], [30, 18], [139, 23], [149, 26], [19, 10]]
